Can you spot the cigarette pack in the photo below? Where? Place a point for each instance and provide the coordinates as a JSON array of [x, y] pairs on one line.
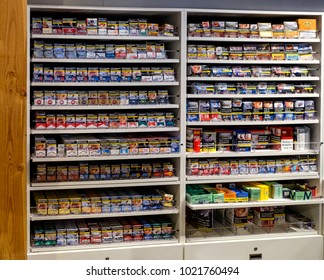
[[263, 216], [47, 25]]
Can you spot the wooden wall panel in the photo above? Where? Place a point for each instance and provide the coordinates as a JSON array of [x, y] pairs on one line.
[[13, 129]]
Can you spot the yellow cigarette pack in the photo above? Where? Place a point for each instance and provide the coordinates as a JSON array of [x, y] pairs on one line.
[[264, 190]]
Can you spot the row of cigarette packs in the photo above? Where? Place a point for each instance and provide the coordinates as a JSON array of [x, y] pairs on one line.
[[99, 97], [247, 71], [300, 28], [149, 50], [100, 26], [252, 52], [112, 145], [102, 74], [103, 231], [252, 166], [224, 110], [244, 219], [252, 88], [104, 171], [46, 120], [284, 138], [90, 201]]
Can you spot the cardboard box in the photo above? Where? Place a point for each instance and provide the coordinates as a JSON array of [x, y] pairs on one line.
[[276, 189], [307, 24], [253, 192], [229, 195], [264, 190], [241, 195], [299, 193], [198, 195]]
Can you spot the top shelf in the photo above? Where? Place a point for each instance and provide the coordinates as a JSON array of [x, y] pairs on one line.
[[105, 37], [252, 40]]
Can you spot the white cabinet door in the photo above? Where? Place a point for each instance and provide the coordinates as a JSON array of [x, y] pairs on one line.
[[295, 248]]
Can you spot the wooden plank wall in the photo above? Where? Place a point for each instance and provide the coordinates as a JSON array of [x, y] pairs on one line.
[[13, 15]]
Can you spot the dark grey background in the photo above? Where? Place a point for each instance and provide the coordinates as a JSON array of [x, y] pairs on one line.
[[269, 5]]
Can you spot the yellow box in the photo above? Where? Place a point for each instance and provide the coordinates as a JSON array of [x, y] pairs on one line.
[[291, 34], [266, 34], [278, 56], [264, 190], [307, 24]]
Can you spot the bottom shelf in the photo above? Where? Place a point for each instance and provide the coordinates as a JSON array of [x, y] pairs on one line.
[[173, 250], [101, 245], [251, 231]]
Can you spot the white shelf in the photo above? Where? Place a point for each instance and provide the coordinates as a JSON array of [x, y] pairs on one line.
[[256, 153], [107, 107], [265, 203], [105, 37], [100, 131], [105, 184], [252, 178], [252, 40], [243, 123], [252, 96], [35, 217], [105, 158], [254, 79], [103, 60], [107, 84], [105, 246], [253, 62]]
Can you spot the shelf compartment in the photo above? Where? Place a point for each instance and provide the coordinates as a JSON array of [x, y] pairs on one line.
[[35, 217], [253, 40], [265, 203], [105, 158], [254, 79], [258, 123], [108, 107], [107, 84], [105, 184], [253, 96], [100, 131], [103, 60], [251, 178], [253, 62], [256, 153]]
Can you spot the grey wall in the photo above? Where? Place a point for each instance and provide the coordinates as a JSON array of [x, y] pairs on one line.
[[269, 5]]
